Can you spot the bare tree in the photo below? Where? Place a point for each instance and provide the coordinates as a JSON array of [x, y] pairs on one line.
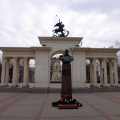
[[117, 45]]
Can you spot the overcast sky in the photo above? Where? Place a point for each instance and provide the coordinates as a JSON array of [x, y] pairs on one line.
[[22, 21]]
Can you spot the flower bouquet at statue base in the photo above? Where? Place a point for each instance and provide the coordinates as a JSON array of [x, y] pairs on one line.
[[66, 100]]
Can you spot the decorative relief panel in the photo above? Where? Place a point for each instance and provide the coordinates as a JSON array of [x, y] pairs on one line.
[[41, 70], [80, 69]]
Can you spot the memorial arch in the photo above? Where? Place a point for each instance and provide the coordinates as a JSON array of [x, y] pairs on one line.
[[57, 45]]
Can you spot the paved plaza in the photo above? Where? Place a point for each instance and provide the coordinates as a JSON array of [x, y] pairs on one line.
[[31, 106]]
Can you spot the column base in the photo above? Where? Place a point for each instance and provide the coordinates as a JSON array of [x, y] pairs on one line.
[[111, 85], [6, 86], [116, 86], [91, 85], [105, 86], [95, 86], [14, 86], [25, 86], [2, 85], [101, 86]]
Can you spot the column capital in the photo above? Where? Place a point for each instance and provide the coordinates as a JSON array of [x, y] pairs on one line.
[[110, 59], [115, 59], [15, 58], [90, 59], [104, 59], [100, 59], [3, 58], [7, 58], [18, 59], [25, 58], [28, 59], [94, 59]]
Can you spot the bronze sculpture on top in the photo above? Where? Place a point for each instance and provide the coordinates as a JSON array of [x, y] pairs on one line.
[[66, 101], [60, 32]]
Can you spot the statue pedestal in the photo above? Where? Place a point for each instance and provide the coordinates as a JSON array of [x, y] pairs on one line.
[[66, 101], [66, 90], [66, 81], [67, 106]]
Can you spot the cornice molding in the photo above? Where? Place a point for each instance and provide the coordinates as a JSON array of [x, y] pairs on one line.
[[78, 49], [24, 48], [15, 48], [41, 48], [95, 49], [104, 49], [60, 39]]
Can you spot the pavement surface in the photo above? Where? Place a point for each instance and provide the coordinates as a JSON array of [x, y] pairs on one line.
[[31, 106]]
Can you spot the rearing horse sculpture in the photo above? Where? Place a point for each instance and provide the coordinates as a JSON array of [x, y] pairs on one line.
[[60, 32]]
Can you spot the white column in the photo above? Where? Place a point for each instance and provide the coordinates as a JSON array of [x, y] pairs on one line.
[[7, 72], [110, 72], [105, 73], [101, 73], [28, 71], [91, 72], [17, 77], [34, 73], [25, 78], [3, 72], [95, 74], [115, 72], [15, 73]]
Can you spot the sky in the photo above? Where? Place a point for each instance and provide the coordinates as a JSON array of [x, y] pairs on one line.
[[22, 21]]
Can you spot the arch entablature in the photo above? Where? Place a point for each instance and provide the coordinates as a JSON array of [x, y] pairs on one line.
[[57, 52]]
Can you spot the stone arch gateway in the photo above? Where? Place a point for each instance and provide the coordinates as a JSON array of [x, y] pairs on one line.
[[54, 45]]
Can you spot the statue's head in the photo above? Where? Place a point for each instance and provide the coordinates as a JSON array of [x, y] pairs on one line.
[[66, 52]]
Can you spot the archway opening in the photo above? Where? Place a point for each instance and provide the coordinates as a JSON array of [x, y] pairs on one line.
[[31, 70], [11, 61], [55, 69], [87, 71]]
